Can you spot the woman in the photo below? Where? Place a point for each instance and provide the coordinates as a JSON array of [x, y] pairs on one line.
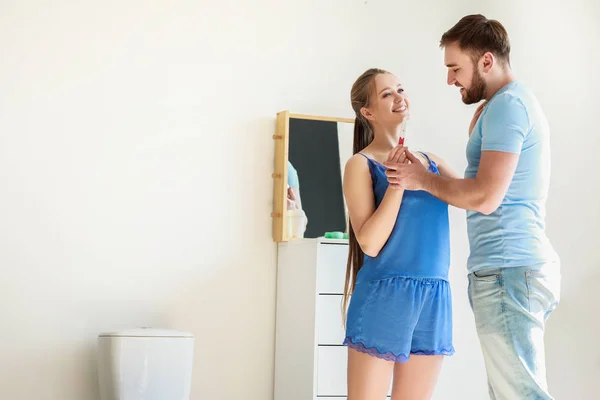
[[399, 321]]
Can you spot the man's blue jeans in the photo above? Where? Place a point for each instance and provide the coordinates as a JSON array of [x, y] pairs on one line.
[[511, 306]]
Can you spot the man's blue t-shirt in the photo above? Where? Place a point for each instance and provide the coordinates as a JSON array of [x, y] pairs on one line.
[[293, 180], [513, 235]]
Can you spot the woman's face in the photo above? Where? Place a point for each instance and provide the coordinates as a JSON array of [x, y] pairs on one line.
[[389, 103]]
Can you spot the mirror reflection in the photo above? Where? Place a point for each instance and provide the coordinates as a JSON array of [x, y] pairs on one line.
[[317, 153]]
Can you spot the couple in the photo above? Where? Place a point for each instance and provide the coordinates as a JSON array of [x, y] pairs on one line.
[[399, 316]]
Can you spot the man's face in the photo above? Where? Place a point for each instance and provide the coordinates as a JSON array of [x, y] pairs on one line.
[[464, 73]]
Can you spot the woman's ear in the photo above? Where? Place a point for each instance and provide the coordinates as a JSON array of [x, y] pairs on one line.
[[367, 114]]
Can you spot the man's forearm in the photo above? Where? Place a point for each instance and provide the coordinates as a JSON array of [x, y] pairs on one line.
[[461, 193]]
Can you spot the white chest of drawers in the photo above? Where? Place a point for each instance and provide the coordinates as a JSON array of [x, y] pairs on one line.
[[310, 361]]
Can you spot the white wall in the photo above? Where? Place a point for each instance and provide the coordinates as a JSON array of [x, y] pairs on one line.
[[136, 151]]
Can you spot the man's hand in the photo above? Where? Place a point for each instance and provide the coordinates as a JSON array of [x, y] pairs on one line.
[[409, 176]]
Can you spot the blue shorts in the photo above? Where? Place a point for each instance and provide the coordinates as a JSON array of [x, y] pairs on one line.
[[396, 317]]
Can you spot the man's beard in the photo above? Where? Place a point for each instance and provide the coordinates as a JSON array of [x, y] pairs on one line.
[[476, 92]]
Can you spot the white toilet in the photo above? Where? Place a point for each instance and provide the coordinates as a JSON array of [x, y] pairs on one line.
[[145, 364]]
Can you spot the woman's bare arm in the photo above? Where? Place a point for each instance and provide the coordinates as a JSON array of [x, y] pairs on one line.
[[372, 226]]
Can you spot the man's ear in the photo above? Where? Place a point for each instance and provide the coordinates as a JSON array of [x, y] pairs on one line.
[[487, 62]]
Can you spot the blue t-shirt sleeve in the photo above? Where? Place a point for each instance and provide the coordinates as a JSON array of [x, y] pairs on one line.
[[293, 180], [504, 125]]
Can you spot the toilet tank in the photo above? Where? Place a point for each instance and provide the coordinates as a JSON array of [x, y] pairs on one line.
[[145, 363]]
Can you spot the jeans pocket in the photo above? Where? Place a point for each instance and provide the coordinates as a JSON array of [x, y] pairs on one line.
[[487, 275], [543, 292]]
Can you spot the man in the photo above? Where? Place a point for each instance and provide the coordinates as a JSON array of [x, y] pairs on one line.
[[514, 274], [297, 220], [293, 189]]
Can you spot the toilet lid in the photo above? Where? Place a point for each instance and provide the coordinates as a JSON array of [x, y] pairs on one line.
[[148, 332]]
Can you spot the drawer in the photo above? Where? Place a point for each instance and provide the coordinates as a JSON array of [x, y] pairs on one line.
[[332, 364], [329, 320], [331, 268]]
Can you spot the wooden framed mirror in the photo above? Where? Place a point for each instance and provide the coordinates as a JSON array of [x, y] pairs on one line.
[[310, 156]]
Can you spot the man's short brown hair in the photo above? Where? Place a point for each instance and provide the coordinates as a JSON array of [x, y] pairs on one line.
[[478, 35]]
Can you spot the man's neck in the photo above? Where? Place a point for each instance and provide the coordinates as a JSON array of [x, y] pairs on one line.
[[504, 79]]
